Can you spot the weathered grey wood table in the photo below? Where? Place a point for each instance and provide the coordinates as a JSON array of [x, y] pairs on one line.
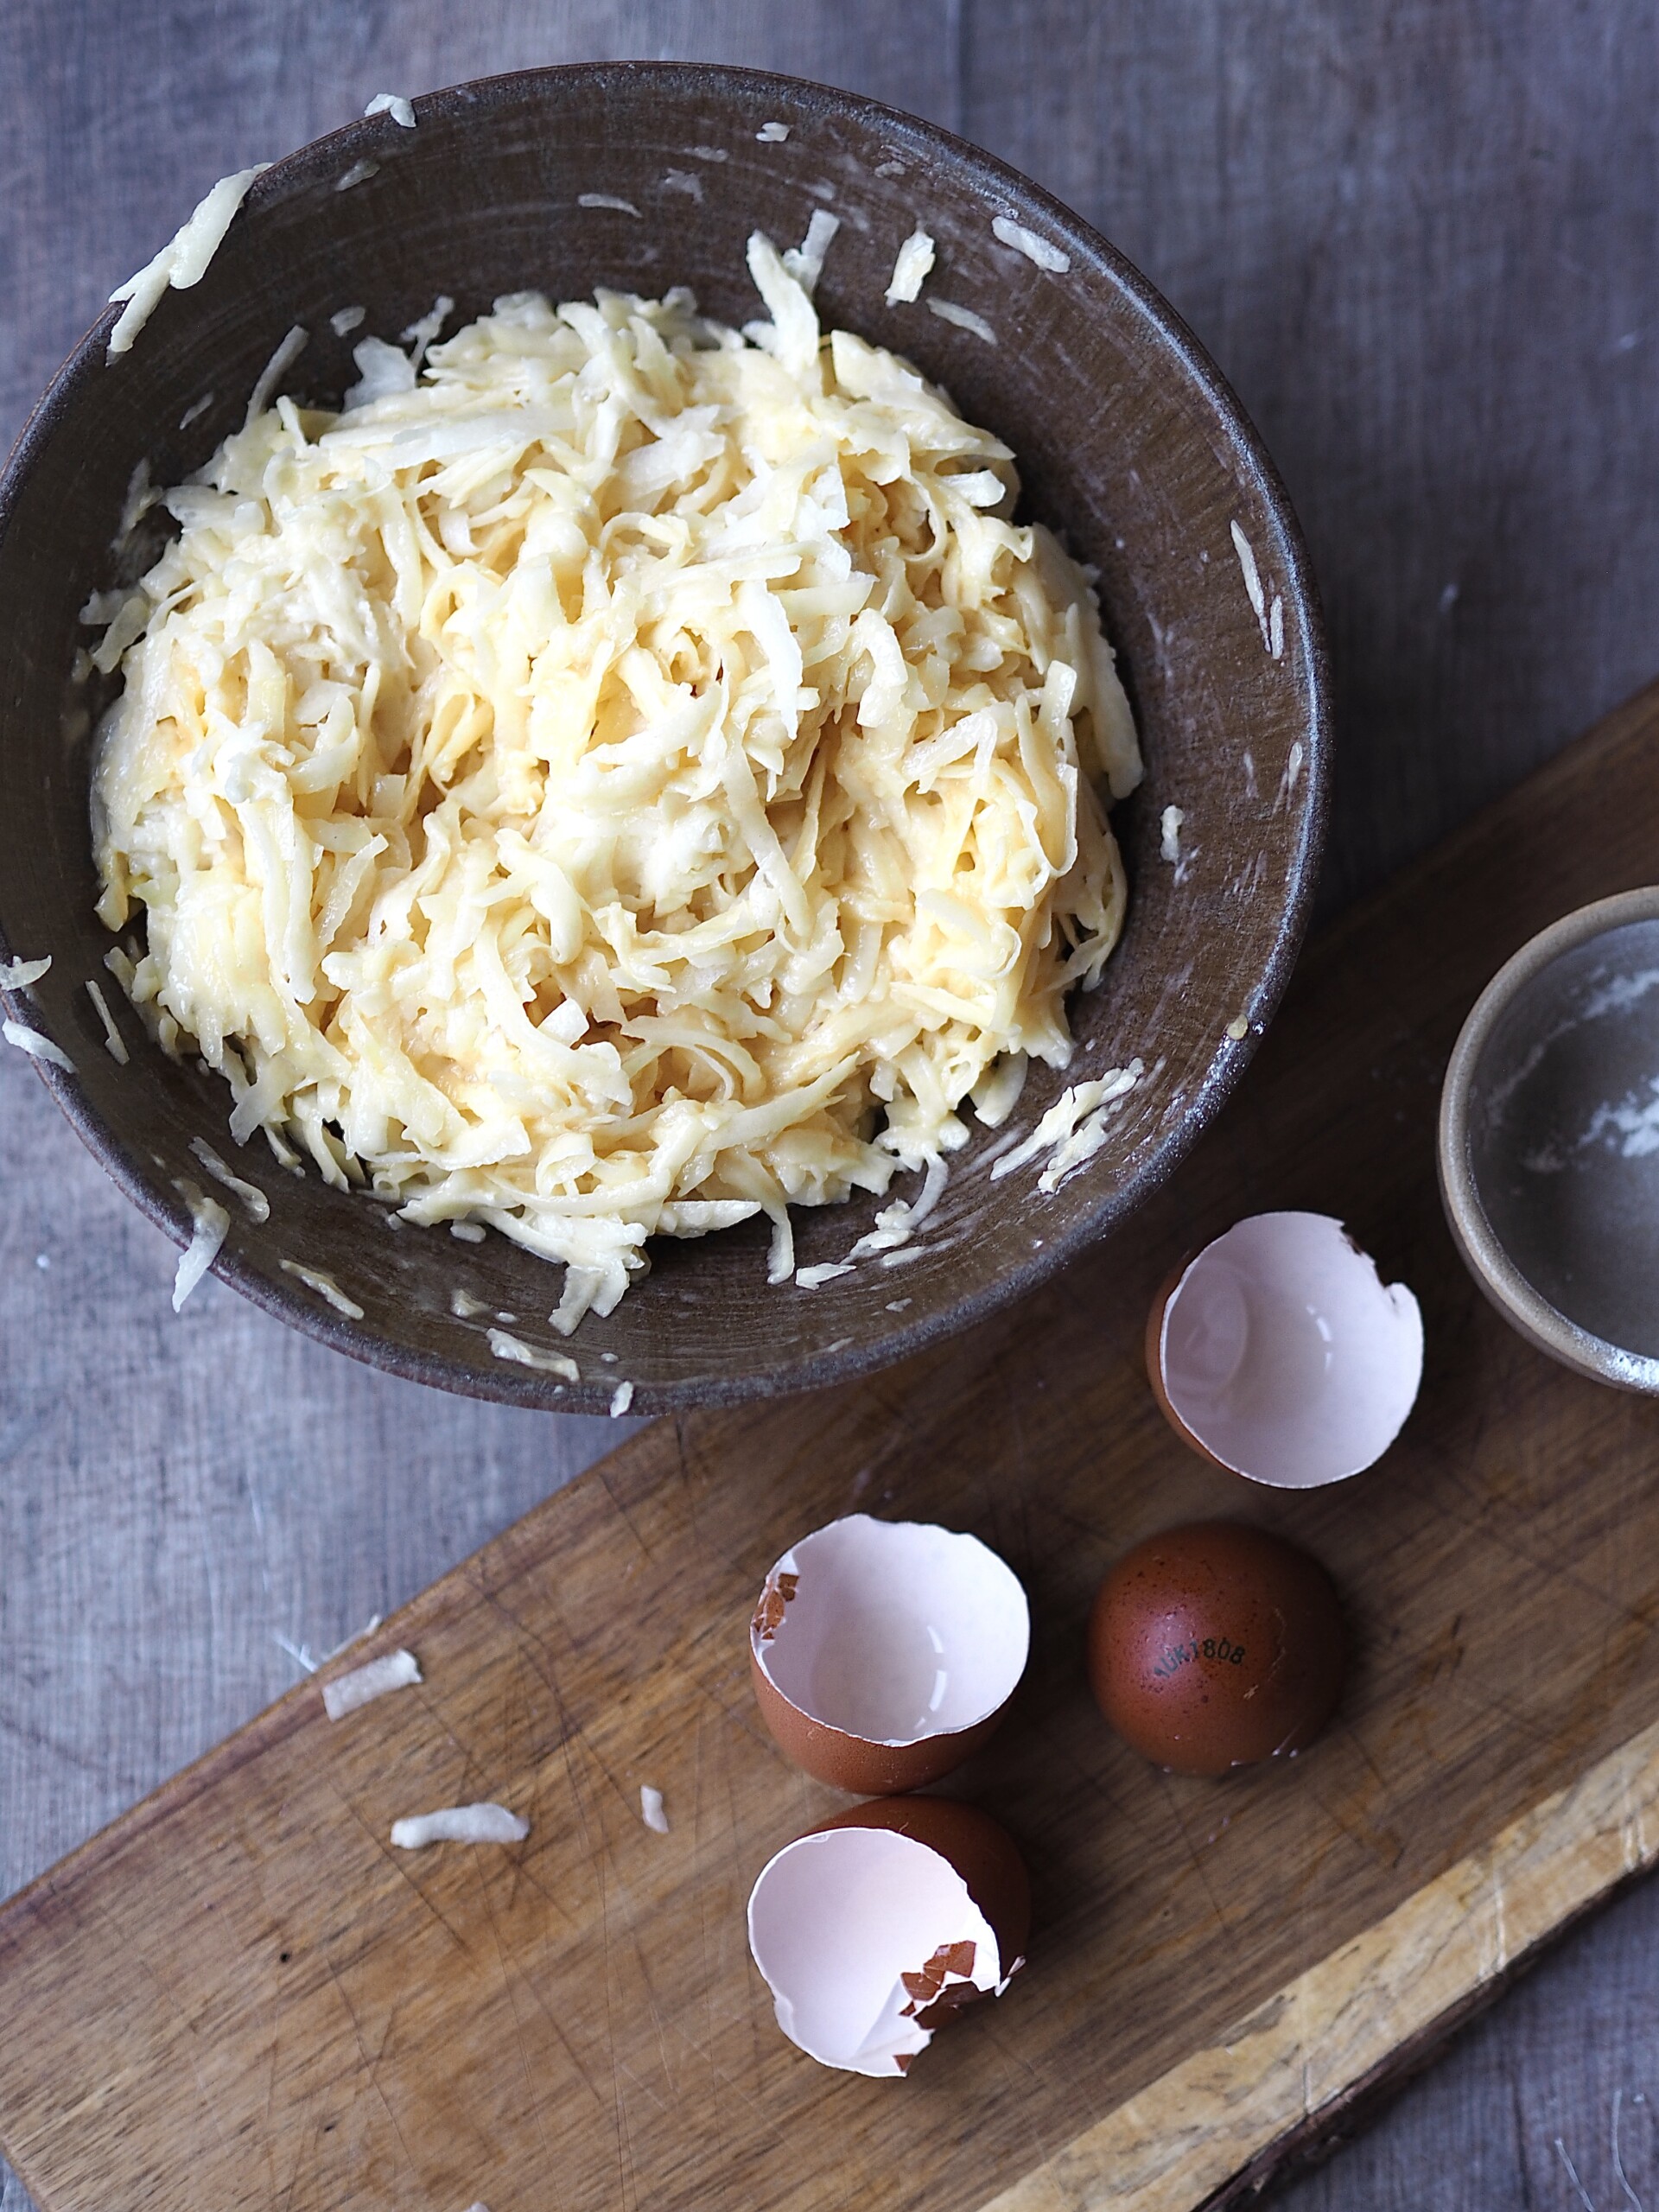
[[1424, 242]]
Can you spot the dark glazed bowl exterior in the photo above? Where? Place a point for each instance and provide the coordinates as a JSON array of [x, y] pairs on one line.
[[1127, 442]]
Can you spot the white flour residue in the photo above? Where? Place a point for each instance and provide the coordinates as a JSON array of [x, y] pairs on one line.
[[1270, 620], [1291, 777], [1619, 995], [1626, 1125], [1616, 994]]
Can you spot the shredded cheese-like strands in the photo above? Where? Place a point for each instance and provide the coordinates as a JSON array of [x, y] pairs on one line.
[[114, 1044], [182, 261], [1036, 249], [911, 268], [210, 1226], [548, 1363], [619, 780], [485, 1823], [36, 1045], [319, 1279], [254, 1203], [393, 1670]]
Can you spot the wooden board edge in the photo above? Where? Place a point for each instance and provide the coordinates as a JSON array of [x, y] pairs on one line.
[[1216, 2125], [1346, 2117]]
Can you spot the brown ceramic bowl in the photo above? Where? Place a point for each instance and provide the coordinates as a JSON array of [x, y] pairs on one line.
[[1128, 441]]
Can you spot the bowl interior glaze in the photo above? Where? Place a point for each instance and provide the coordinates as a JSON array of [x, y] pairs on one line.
[[1127, 442], [1549, 1122]]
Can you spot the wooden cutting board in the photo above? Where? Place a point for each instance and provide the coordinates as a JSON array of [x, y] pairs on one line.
[[240, 1996]]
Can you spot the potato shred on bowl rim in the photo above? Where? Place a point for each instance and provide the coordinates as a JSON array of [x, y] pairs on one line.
[[618, 776]]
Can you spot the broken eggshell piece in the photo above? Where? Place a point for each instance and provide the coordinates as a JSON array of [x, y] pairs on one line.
[[875, 1930], [1280, 1354], [883, 1652]]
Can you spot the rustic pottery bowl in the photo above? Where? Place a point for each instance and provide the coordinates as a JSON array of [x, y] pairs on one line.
[[1129, 441], [1549, 1129]]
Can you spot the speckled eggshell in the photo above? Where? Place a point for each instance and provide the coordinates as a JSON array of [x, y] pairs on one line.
[[850, 1763], [1216, 1645]]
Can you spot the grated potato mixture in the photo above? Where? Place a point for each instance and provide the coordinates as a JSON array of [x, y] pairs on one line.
[[618, 776]]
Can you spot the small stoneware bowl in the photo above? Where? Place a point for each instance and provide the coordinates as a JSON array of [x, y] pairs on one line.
[[641, 176], [1549, 1140]]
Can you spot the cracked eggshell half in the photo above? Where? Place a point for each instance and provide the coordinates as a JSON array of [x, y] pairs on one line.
[[1280, 1353], [883, 1652], [873, 1931]]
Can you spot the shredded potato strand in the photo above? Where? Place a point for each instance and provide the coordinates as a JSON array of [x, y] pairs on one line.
[[631, 777]]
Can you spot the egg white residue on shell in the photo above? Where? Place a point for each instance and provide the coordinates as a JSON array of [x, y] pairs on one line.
[[836, 1920], [1285, 1357], [896, 1630]]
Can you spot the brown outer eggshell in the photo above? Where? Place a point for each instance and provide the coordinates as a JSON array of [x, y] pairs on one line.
[[1239, 1589], [981, 1849], [851, 1762]]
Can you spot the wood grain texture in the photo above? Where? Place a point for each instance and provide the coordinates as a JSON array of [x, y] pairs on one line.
[[242, 1973], [1419, 239], [1209, 2130]]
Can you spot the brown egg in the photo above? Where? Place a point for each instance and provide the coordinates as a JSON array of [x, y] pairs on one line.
[[1215, 1645]]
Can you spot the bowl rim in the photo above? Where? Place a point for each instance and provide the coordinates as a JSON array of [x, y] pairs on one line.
[[472, 99], [1482, 1250]]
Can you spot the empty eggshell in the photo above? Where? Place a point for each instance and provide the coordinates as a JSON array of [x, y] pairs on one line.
[[874, 1930], [1280, 1354], [883, 1652]]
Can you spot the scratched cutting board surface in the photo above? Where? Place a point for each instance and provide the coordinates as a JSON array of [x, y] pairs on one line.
[[240, 1996]]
